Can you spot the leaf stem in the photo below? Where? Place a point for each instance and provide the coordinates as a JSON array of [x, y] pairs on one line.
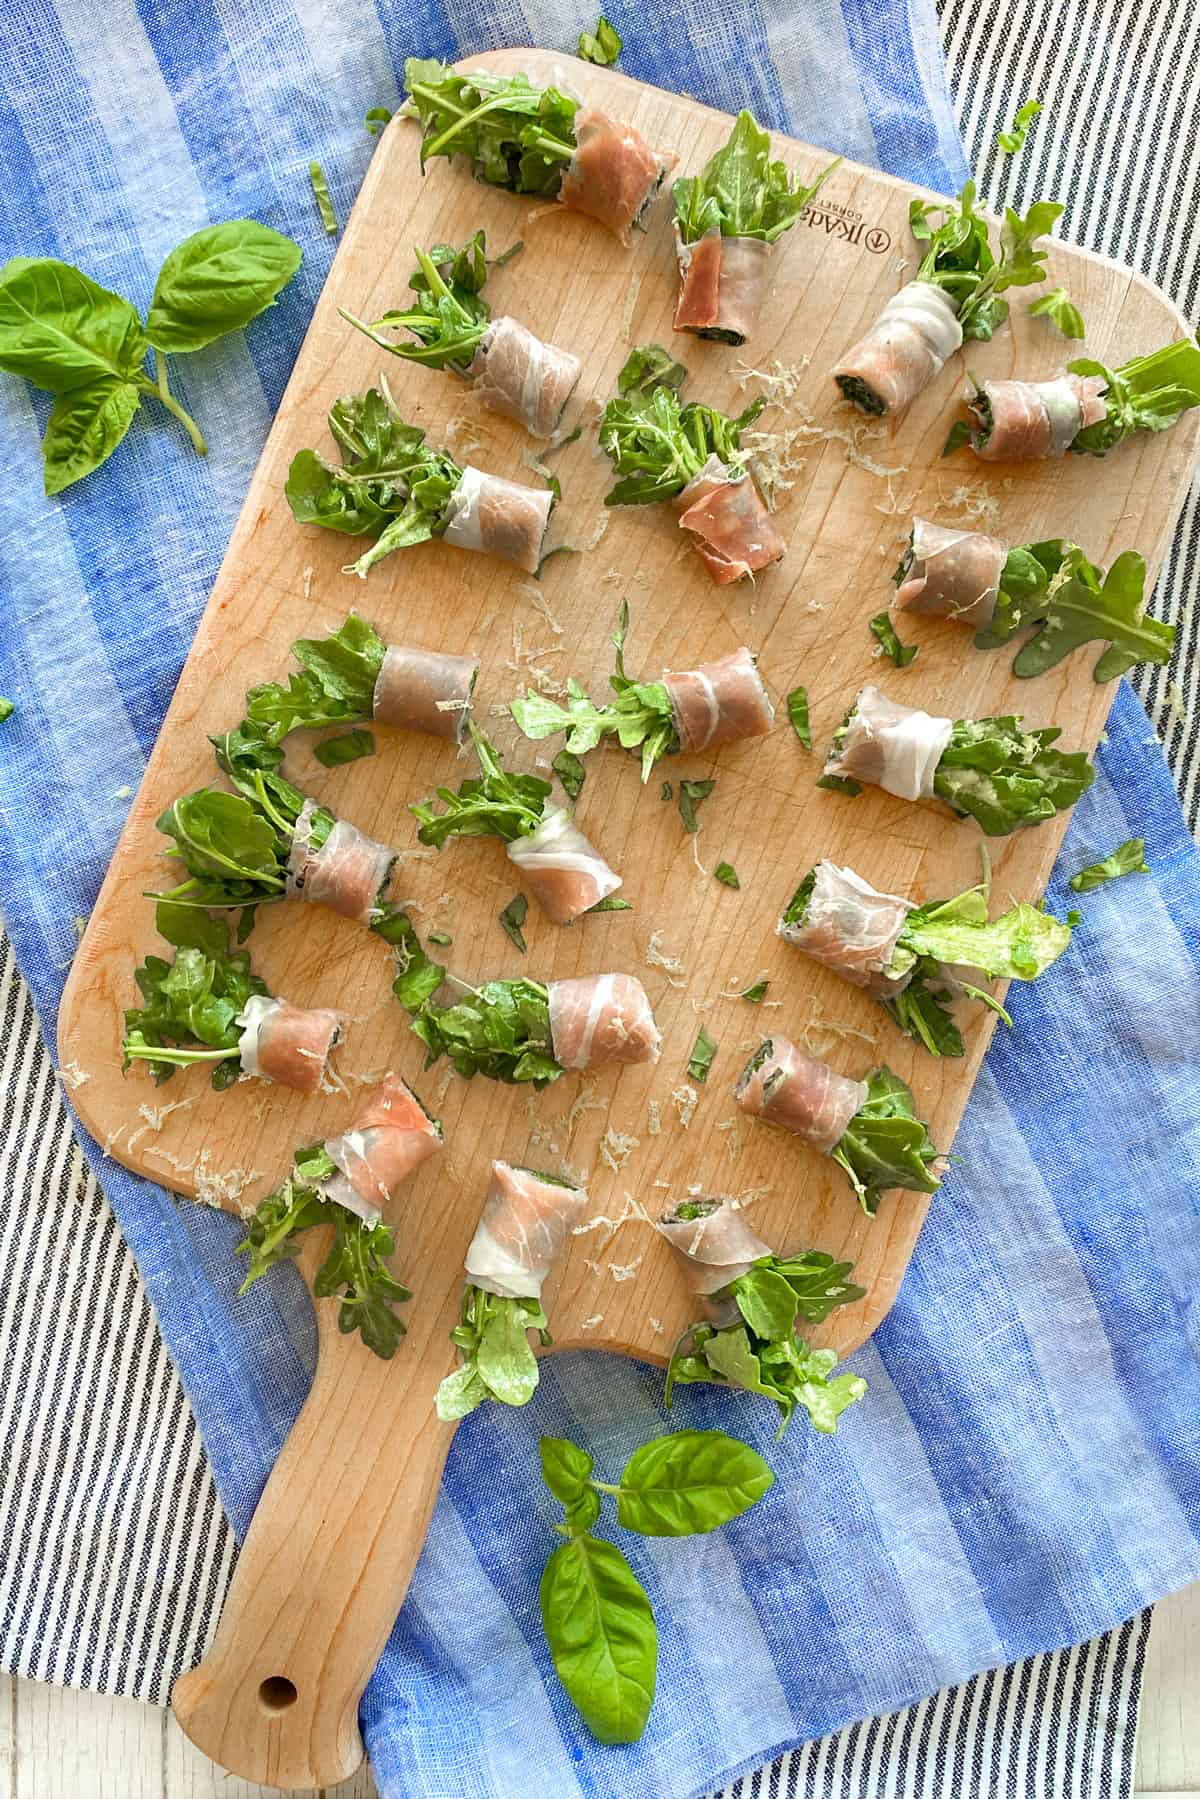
[[603, 1486], [160, 391]]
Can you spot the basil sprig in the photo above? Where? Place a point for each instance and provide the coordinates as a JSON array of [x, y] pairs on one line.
[[515, 135], [494, 803], [89, 347], [886, 1145], [961, 261], [741, 192], [500, 1030], [656, 444], [192, 1002]]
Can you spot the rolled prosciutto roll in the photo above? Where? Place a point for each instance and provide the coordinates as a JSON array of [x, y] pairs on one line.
[[891, 746], [516, 374], [288, 1044], [719, 702], [908, 346], [951, 573], [500, 518], [522, 1231], [1021, 421], [564, 873], [347, 873], [714, 1242], [424, 690], [614, 175], [391, 1137], [786, 1087], [732, 527], [722, 284], [848, 926], [600, 1018]]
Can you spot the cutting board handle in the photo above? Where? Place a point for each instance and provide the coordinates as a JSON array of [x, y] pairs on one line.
[[325, 1565]]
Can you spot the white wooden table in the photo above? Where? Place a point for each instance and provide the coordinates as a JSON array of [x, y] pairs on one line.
[[58, 1744]]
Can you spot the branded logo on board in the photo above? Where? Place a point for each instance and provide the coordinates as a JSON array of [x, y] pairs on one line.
[[843, 222]]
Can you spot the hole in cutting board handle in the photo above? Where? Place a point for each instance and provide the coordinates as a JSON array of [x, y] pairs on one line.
[[277, 1693]]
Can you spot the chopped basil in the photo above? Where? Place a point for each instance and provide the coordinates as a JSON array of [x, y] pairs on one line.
[[513, 917], [884, 631], [1127, 859], [320, 188], [700, 1061], [570, 771], [755, 993], [797, 711], [691, 793], [349, 747], [614, 903], [727, 875]]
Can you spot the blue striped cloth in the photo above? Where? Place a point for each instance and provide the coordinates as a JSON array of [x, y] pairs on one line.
[[1026, 1469]]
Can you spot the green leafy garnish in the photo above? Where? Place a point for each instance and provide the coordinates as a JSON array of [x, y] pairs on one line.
[[1147, 394], [516, 135], [336, 684], [418, 976], [1060, 309], [351, 746], [883, 630], [797, 711], [727, 875], [1053, 585], [449, 317], [441, 938], [6, 710], [656, 444], [1128, 858], [601, 46], [321, 195], [493, 804], [512, 918], [960, 258], [756, 992], [701, 1058], [498, 1361], [1013, 139], [192, 1003], [570, 771], [612, 902], [650, 366], [1005, 778], [741, 192], [376, 119], [886, 1144], [691, 795], [501, 1030]]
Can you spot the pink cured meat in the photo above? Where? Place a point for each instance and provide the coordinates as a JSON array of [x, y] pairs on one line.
[[952, 574], [499, 518], [614, 174], [784, 1086], [601, 1018], [906, 348], [522, 1231], [852, 928], [566, 876], [716, 1248], [1023, 421], [390, 1139], [347, 874], [287, 1044], [891, 746], [722, 284], [719, 702], [425, 690], [517, 375], [733, 529]]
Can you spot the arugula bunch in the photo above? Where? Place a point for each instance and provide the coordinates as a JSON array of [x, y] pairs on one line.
[[1053, 586], [1004, 777], [192, 1002], [886, 1144], [598, 1621], [501, 1030], [390, 485], [740, 192], [498, 1360], [494, 803], [449, 316], [336, 684], [1146, 394], [356, 1268], [516, 136], [88, 346], [655, 443], [961, 261]]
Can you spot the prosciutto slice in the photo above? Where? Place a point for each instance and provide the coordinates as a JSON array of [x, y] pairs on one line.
[[614, 175], [852, 928], [719, 702], [891, 746], [907, 347], [564, 873], [498, 517], [952, 574], [390, 1139], [522, 1231], [1021, 421], [347, 873], [601, 1018], [716, 1248], [786, 1087], [425, 690], [288, 1044], [733, 529], [516, 374], [722, 284]]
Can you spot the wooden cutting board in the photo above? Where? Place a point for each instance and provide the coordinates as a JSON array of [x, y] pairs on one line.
[[329, 1555]]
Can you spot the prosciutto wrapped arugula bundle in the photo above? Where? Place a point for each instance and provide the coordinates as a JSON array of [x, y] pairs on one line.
[[1087, 410], [530, 1031], [727, 219], [353, 675], [346, 1182], [916, 960], [756, 1303], [391, 486], [535, 140], [512, 370], [869, 1128], [955, 296], [690, 456], [565, 874], [526, 1219], [987, 769], [692, 709], [1050, 588], [206, 1007]]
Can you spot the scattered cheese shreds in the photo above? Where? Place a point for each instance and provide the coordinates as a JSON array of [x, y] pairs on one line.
[[306, 580], [734, 1127], [72, 1075], [156, 1117], [633, 1212], [749, 1196], [540, 604], [625, 1271], [635, 288], [589, 1324], [684, 1100], [616, 1149], [655, 1112], [779, 383], [657, 1327], [656, 957]]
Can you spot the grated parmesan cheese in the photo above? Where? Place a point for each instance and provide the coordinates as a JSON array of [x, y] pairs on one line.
[[656, 957], [655, 1112], [537, 599], [684, 1099], [656, 1327], [734, 1127], [589, 1324], [625, 1271], [306, 583], [616, 1149], [156, 1117], [635, 287], [72, 1075]]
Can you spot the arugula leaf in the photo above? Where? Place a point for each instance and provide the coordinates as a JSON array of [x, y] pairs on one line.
[[494, 804], [657, 444], [570, 771], [376, 118], [886, 1145], [216, 281], [1058, 307], [740, 192], [501, 1030], [191, 1003], [701, 1058], [960, 258], [1128, 858], [1004, 777], [727, 875], [650, 366], [668, 792], [515, 135], [6, 710], [351, 746], [839, 784], [691, 795], [449, 317], [498, 1362], [756, 992], [232, 853], [688, 1483], [1054, 586], [883, 630], [441, 938], [922, 1011], [602, 1636], [1147, 394], [512, 918], [1020, 945], [797, 711], [418, 977], [321, 195], [336, 684], [1014, 139], [602, 46]]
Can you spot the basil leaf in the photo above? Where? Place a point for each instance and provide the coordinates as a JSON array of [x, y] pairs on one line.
[[441, 938], [650, 366], [840, 784], [797, 711], [700, 1061], [1014, 139], [691, 794], [883, 630], [321, 195], [602, 46], [755, 993], [512, 918], [216, 281], [668, 792], [690, 1482], [570, 771], [376, 119], [613, 903], [960, 434], [1127, 859], [84, 428], [1058, 307], [727, 875], [62, 331], [351, 746], [766, 1302], [602, 1636], [566, 1469]]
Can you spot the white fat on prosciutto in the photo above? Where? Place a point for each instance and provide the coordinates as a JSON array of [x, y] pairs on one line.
[[347, 873], [852, 928], [716, 1248], [614, 174], [516, 374], [522, 1231], [891, 746], [287, 1044], [1022, 421], [907, 347], [599, 1018], [952, 574], [499, 518], [425, 690], [561, 869], [719, 702], [390, 1139], [784, 1086], [722, 284]]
